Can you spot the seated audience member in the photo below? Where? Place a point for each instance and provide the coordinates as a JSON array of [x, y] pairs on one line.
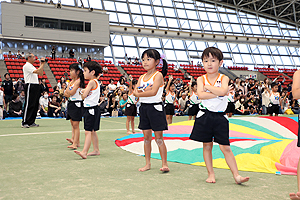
[[182, 102], [62, 90], [123, 102], [121, 84], [88, 59], [19, 55], [64, 104], [54, 108], [284, 104], [15, 106], [112, 104], [111, 85], [136, 61], [10, 54], [295, 106], [103, 104], [105, 69], [44, 103], [23, 55], [62, 80], [22, 97], [44, 86], [56, 94]]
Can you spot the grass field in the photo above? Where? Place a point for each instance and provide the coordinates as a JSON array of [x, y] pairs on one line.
[[36, 164]]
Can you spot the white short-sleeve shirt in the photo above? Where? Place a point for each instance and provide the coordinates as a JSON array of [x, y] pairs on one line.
[[29, 76]]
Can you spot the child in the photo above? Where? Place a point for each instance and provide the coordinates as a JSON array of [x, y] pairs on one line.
[[91, 110], [170, 99], [230, 98], [211, 124], [130, 110], [152, 115], [296, 95], [275, 100], [194, 100], [74, 106]]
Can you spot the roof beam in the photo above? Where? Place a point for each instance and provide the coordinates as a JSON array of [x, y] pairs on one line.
[[274, 6], [249, 3], [263, 5], [286, 8]]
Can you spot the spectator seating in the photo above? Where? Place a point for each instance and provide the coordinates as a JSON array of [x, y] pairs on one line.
[[237, 68], [194, 71], [271, 73], [137, 70], [289, 72]]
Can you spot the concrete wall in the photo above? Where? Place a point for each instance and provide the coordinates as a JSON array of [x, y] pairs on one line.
[[13, 24]]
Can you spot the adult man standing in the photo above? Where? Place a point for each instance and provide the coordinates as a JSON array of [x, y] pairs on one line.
[[32, 90]]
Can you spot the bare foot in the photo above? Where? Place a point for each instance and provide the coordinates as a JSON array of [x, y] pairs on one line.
[[69, 140], [128, 132], [165, 169], [295, 196], [83, 156], [94, 153], [239, 179], [72, 147], [133, 132], [145, 168], [211, 179]]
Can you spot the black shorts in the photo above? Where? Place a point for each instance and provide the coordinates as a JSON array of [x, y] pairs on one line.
[[298, 144], [230, 107], [91, 118], [152, 116], [169, 109], [193, 109], [130, 109], [273, 108], [211, 127], [74, 110]]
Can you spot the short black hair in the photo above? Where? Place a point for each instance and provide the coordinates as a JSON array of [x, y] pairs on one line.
[[93, 66], [273, 84], [215, 52]]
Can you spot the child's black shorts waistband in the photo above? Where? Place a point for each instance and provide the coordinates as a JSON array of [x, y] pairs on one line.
[[158, 103], [208, 111]]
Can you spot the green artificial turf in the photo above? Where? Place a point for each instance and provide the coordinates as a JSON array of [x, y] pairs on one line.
[[35, 163]]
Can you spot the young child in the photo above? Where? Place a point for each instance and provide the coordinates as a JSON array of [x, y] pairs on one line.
[[152, 115], [275, 100], [170, 100], [130, 110], [211, 124], [74, 106], [296, 95], [194, 100], [91, 110]]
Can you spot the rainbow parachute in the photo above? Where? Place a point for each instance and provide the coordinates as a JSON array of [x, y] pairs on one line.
[[260, 144]]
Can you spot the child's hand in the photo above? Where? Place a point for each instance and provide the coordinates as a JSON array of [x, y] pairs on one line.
[[231, 88], [149, 87], [136, 93], [171, 77], [82, 91], [130, 77]]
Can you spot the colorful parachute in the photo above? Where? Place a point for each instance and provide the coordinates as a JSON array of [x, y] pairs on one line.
[[260, 144]]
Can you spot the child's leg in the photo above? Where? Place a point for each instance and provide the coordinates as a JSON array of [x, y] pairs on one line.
[[76, 132], [132, 123], [95, 141], [162, 150], [127, 125], [207, 155], [297, 195], [190, 117], [87, 144], [230, 160], [147, 149], [73, 133]]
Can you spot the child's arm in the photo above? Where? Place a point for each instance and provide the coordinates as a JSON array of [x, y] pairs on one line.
[[130, 84], [169, 83], [69, 92], [85, 92], [296, 85], [158, 81], [219, 91], [200, 90]]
